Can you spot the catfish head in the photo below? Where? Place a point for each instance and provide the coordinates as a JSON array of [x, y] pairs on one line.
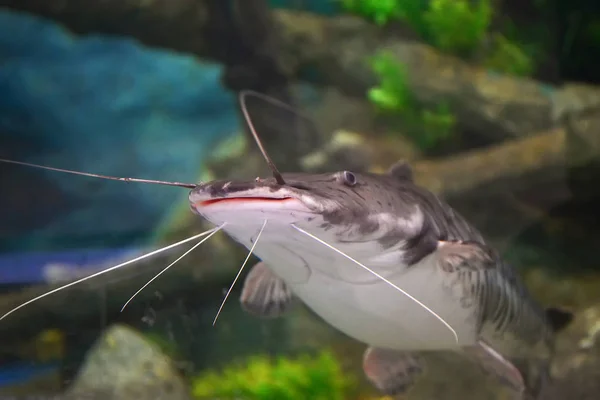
[[368, 216]]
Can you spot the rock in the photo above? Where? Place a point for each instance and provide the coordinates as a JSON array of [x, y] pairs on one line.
[[511, 165], [331, 110], [349, 150], [574, 99], [354, 140], [494, 105], [123, 365], [346, 150], [584, 138], [491, 104], [112, 106], [576, 366], [335, 49]]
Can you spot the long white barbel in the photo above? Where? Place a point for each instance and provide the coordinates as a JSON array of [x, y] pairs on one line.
[[380, 277], [214, 231], [105, 271]]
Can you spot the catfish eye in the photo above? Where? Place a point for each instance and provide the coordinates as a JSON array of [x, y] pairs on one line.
[[348, 178]]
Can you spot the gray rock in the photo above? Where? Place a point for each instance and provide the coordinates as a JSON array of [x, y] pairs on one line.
[[574, 99], [494, 105], [497, 106], [123, 365]]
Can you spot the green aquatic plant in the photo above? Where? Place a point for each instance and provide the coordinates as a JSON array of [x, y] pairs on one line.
[[383, 11], [378, 11], [427, 127], [412, 13], [437, 126], [509, 57], [458, 26], [392, 93], [454, 26], [317, 377]]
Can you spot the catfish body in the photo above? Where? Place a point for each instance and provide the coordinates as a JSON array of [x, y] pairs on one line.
[[328, 235]]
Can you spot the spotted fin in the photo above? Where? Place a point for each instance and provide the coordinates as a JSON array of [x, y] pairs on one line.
[[390, 371], [488, 286], [472, 275], [264, 294], [459, 255], [401, 170], [494, 364]]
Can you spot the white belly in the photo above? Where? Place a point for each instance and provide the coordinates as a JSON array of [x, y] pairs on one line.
[[360, 305], [379, 315]]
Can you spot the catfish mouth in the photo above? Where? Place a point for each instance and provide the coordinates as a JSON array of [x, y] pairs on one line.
[[243, 200]]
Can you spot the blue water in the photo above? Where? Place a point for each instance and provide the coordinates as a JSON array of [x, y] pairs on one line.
[[324, 7], [20, 372], [29, 267], [103, 105]]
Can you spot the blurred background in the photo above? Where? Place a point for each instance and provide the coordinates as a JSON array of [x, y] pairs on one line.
[[494, 103]]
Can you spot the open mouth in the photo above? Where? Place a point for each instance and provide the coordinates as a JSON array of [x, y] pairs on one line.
[[238, 200]]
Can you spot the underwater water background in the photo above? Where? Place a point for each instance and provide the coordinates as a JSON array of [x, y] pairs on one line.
[[494, 104], [118, 115]]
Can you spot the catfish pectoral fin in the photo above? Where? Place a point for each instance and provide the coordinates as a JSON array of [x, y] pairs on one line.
[[264, 294], [390, 371]]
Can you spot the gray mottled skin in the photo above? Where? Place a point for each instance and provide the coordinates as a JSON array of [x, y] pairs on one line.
[[372, 194], [508, 319]]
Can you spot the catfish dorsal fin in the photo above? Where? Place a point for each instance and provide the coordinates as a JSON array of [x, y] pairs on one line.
[[558, 318], [401, 170]]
